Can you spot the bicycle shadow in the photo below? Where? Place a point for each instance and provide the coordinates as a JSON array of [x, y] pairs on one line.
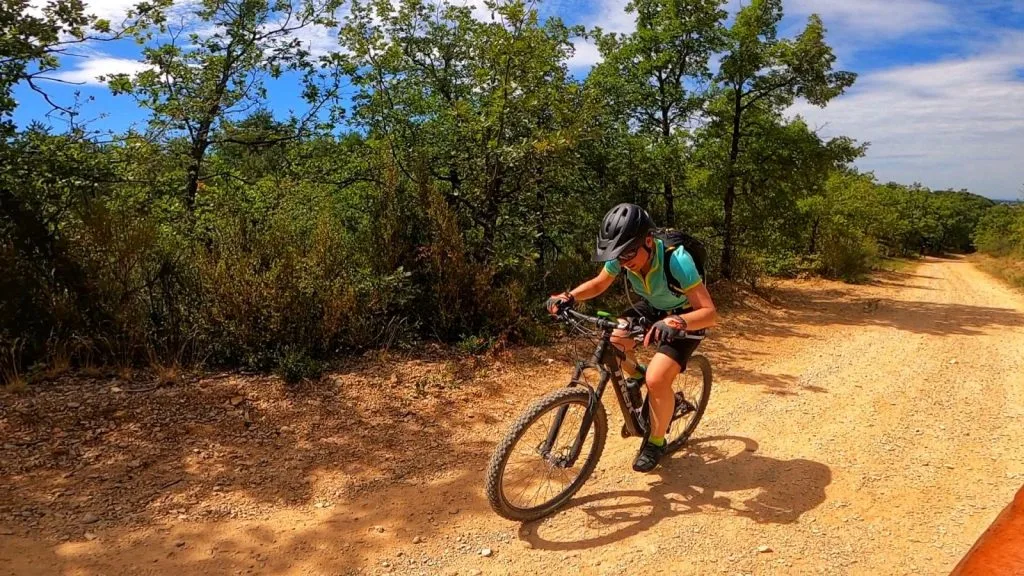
[[709, 475]]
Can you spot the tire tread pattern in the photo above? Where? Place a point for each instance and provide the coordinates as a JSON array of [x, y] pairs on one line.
[[496, 467]]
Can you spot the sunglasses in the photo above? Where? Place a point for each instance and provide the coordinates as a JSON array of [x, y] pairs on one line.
[[629, 254]]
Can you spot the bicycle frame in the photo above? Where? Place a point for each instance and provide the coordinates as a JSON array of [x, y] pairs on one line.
[[606, 361]]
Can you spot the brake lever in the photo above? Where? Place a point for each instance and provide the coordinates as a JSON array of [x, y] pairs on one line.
[[638, 328]]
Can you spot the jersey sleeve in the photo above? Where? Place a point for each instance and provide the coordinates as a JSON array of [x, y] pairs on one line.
[[681, 266], [613, 267]]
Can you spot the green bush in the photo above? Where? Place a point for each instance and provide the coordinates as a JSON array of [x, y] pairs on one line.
[[296, 365], [1000, 231], [847, 255]]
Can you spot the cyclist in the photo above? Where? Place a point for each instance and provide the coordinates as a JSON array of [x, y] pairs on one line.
[[673, 299]]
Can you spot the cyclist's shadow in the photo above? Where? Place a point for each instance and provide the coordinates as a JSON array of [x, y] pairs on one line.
[[697, 479]]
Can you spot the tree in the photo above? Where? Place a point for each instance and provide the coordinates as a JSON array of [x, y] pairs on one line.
[[1000, 231], [761, 70], [482, 111], [783, 163], [193, 87], [31, 44], [655, 78], [42, 176]]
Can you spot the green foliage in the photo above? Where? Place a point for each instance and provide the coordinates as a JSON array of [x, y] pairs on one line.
[[847, 254], [196, 87], [1000, 231], [30, 44], [650, 81], [295, 366], [462, 185], [856, 220], [761, 75]]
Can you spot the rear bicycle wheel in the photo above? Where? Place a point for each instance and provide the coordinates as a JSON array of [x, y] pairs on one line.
[[692, 389], [526, 482]]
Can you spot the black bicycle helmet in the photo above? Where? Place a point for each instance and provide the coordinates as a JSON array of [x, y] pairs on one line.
[[623, 227]]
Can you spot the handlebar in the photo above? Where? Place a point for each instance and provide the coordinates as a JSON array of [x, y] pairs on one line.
[[636, 327], [602, 323]]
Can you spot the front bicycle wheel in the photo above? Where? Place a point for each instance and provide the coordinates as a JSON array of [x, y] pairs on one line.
[[692, 388], [531, 473]]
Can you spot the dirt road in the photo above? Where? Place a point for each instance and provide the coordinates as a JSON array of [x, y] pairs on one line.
[[852, 430]]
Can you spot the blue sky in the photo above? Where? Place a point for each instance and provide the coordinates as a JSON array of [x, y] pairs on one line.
[[940, 95]]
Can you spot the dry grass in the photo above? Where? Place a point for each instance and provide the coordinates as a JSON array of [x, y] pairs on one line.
[[91, 371], [10, 368], [898, 264], [1006, 268], [85, 355], [15, 384], [167, 368], [58, 360], [166, 375], [125, 373]]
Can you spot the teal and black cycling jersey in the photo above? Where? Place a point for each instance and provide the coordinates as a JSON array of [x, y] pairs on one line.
[[655, 287]]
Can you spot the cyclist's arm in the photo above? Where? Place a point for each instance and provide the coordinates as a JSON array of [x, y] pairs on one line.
[[594, 287], [704, 314]]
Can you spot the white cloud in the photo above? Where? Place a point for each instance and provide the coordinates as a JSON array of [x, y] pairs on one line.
[[480, 10], [88, 70], [876, 18], [113, 10], [585, 56], [611, 16], [319, 40], [948, 124]]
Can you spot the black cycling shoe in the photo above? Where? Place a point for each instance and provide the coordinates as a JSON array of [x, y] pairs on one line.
[[648, 457]]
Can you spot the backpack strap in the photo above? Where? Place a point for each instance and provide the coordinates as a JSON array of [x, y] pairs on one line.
[[673, 282]]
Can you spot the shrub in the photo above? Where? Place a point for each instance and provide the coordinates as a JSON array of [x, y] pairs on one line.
[[847, 255], [295, 365]]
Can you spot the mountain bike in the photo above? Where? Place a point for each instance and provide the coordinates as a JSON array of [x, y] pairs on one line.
[[553, 447]]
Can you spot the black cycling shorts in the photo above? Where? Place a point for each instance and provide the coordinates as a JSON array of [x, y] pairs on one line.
[[678, 349]]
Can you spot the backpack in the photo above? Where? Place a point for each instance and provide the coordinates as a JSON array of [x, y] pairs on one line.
[[673, 239]]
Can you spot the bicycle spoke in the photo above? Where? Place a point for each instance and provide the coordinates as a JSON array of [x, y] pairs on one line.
[[537, 436], [519, 467], [534, 499], [532, 480], [565, 477], [689, 389], [526, 486]]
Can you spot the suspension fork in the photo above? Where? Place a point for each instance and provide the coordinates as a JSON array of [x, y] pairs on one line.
[[588, 416]]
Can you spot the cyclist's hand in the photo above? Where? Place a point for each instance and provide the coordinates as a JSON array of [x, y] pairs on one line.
[[665, 330], [559, 302]]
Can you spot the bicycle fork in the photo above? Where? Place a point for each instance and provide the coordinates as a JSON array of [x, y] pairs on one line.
[[588, 417]]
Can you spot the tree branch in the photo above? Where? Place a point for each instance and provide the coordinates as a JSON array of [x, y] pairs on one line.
[[31, 84]]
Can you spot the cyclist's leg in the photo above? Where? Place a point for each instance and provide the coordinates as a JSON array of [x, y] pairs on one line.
[[627, 345], [670, 359]]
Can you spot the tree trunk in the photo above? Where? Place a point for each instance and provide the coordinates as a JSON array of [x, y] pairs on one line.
[[727, 241], [192, 184], [670, 200], [489, 216], [541, 236], [201, 138], [730, 192], [670, 208]]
